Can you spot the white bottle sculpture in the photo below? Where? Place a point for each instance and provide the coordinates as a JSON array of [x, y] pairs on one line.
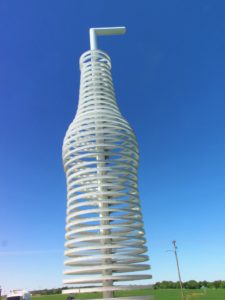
[[105, 236]]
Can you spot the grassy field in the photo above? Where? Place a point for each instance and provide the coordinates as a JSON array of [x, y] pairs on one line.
[[158, 295]]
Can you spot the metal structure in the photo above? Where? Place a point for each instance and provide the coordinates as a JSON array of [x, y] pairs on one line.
[[105, 236]]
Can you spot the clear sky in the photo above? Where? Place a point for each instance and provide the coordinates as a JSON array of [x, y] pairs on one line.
[[169, 76]]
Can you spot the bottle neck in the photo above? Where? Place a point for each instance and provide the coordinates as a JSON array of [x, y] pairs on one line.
[[96, 86]]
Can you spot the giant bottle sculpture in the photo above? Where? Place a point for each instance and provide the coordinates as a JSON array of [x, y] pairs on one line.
[[105, 243]]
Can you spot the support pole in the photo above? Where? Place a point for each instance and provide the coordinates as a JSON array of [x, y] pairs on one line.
[[94, 32], [178, 269]]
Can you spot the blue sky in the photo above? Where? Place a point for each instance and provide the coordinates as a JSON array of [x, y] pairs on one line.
[[169, 74]]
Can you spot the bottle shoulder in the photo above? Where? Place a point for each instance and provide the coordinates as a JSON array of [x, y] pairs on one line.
[[94, 127]]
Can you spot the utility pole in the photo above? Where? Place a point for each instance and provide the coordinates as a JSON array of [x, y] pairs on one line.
[[178, 269]]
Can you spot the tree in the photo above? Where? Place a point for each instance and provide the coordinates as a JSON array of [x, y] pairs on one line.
[[191, 284]]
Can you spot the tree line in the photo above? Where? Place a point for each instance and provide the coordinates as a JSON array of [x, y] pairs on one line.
[[191, 284]]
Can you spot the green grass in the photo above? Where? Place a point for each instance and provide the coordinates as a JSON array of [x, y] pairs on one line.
[[209, 294]]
